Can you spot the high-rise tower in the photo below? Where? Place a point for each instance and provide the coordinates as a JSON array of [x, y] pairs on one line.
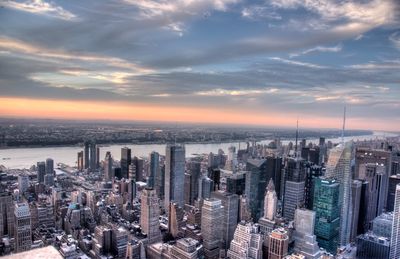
[[174, 175]]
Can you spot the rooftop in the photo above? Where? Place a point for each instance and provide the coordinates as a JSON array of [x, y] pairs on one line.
[[48, 252]]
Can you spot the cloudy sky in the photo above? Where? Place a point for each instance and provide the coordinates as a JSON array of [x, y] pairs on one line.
[[253, 62]]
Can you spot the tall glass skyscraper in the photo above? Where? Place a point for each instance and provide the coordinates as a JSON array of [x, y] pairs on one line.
[[339, 168], [327, 210], [174, 175], [154, 168]]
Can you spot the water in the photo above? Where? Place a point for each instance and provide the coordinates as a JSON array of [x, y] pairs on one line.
[[19, 158]]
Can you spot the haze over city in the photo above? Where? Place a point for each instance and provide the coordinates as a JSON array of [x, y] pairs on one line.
[[200, 129], [212, 61]]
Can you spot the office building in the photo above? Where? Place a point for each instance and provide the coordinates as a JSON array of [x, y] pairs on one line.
[[327, 211], [247, 242], [267, 222], [370, 246], [175, 220], [382, 225], [91, 155], [278, 244], [305, 240], [108, 167], [375, 175], [192, 177], [186, 248], [138, 166], [211, 227], [230, 203], [149, 214], [49, 166], [339, 168], [293, 198], [80, 161], [366, 155], [154, 169], [119, 242], [41, 171], [126, 160], [206, 186], [6, 214], [23, 183], [174, 175], [356, 188], [256, 182], [394, 180], [312, 172], [23, 232], [395, 234]]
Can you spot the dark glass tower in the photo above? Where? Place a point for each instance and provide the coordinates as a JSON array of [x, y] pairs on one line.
[[327, 209]]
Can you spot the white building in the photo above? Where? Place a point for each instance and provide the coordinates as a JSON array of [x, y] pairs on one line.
[[247, 242]]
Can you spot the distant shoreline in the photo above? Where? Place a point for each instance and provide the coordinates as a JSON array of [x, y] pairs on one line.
[[186, 142]]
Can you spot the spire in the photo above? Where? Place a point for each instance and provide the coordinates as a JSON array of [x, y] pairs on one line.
[[344, 123], [297, 137], [271, 186]]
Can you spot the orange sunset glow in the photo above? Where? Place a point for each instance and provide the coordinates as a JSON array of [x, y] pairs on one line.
[[101, 110]]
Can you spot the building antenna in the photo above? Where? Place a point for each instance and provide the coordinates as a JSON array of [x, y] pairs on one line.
[[297, 138], [176, 130], [344, 123]]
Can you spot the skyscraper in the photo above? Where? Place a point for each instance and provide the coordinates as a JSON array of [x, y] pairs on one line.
[[23, 235], [327, 210], [294, 189], [138, 164], [6, 214], [278, 244], [192, 177], [175, 220], [23, 183], [154, 169], [356, 188], [267, 222], [293, 198], [211, 226], [80, 162], [108, 167], [377, 178], [339, 168], [149, 214], [256, 182], [305, 240], [247, 242], [394, 180], [230, 202], [126, 160], [174, 175], [41, 171], [206, 186], [49, 166], [395, 235]]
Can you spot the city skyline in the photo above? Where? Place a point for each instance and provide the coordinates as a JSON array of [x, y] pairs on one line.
[[230, 61]]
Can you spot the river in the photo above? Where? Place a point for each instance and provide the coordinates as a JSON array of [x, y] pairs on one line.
[[19, 158]]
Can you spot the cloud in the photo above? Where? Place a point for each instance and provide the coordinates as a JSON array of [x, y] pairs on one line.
[[42, 8], [240, 92], [336, 48], [297, 63], [395, 39], [375, 66], [16, 46], [350, 18], [154, 8], [260, 12]]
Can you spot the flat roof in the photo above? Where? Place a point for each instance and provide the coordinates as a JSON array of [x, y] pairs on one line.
[[48, 252]]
